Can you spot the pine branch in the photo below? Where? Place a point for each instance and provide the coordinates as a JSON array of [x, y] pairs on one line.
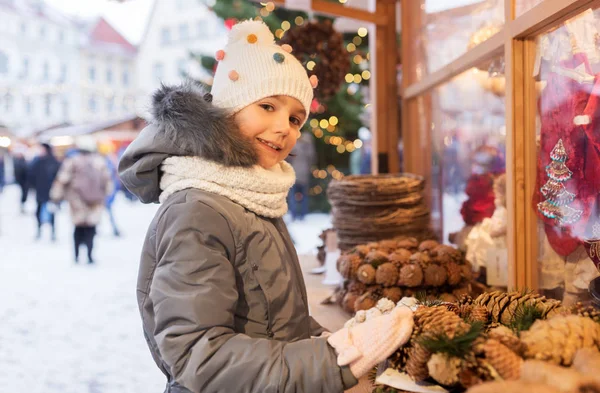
[[459, 346], [525, 316]]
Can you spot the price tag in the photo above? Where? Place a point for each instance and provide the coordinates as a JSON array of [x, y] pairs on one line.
[[497, 267], [299, 5]]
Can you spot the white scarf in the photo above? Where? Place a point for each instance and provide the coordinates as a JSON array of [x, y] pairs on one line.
[[260, 190]]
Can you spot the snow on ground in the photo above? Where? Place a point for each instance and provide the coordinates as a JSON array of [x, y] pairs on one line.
[[67, 328]]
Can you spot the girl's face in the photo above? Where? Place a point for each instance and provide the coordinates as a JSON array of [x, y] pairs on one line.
[[273, 124]]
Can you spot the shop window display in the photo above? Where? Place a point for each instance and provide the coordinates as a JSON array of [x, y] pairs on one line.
[[566, 198], [453, 27], [469, 159]]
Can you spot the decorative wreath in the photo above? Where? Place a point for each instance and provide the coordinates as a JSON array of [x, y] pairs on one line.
[[319, 42]]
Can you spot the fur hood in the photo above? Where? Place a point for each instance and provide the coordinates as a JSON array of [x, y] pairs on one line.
[[184, 123]]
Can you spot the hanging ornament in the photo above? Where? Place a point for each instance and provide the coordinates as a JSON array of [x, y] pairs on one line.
[[592, 245]]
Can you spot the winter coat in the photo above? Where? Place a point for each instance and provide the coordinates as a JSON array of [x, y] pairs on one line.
[[42, 172], [82, 214], [220, 289], [20, 165], [303, 158]]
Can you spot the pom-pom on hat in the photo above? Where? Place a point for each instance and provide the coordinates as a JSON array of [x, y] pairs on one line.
[[252, 67]]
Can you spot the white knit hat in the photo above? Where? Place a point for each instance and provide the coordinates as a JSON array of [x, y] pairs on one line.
[[252, 67]]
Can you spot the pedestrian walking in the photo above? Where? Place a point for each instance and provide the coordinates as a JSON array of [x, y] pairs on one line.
[[302, 159], [220, 289], [21, 176], [41, 174], [84, 182], [116, 186]]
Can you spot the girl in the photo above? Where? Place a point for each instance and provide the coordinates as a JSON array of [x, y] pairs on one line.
[[220, 289]]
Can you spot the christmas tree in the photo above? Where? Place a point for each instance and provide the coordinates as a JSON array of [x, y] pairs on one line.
[[335, 120], [558, 198]]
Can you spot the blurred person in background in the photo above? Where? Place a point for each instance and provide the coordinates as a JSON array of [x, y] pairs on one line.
[[302, 158], [84, 181], [41, 174], [1, 171], [108, 152], [21, 174]]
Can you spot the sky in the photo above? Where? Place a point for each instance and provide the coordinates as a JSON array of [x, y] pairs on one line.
[[129, 18]]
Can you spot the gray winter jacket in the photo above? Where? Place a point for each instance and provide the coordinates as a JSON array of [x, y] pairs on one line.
[[220, 290]]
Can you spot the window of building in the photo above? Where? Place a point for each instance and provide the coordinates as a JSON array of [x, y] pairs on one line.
[[165, 36], [3, 63], [158, 71], [8, 99], [180, 4], [65, 109], [42, 31], [48, 104], [61, 36], [110, 104], [109, 74], [46, 71], [126, 78], [184, 32], [28, 105], [23, 28], [63, 73], [92, 104], [92, 73], [181, 67], [201, 28], [25, 68]]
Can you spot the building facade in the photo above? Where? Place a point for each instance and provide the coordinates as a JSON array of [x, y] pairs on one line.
[[176, 29]]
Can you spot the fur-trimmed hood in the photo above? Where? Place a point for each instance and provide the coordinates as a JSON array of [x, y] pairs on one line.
[[184, 123]]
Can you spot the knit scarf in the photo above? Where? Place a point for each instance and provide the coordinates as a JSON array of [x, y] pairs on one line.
[[262, 191]]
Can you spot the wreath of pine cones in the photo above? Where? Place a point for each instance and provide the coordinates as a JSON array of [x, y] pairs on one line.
[[318, 41]]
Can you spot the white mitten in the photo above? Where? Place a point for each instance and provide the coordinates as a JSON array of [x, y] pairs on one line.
[[365, 345]]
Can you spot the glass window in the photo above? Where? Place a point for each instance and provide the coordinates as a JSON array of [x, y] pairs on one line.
[[125, 78], [23, 28], [8, 101], [3, 63], [61, 36], [522, 6], [63, 73], [566, 197], [158, 71], [110, 104], [93, 103], [165, 36], [447, 29], [28, 105], [201, 28], [181, 67], [92, 73], [42, 31], [468, 150], [24, 68], [48, 104], [184, 32], [65, 109], [46, 71], [109, 75]]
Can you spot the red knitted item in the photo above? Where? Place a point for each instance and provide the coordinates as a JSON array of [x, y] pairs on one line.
[[480, 205]]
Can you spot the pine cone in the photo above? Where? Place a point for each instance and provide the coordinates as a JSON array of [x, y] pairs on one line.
[[438, 319], [557, 340], [365, 302], [454, 273], [362, 250], [366, 274], [393, 293], [416, 365], [386, 275], [376, 257], [410, 276], [505, 362], [462, 291], [428, 246], [506, 336], [479, 314], [348, 265], [588, 312], [444, 369], [474, 372], [348, 302], [400, 257], [502, 306], [449, 298], [435, 275]]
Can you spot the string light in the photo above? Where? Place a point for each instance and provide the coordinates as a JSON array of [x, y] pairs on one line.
[[349, 78], [351, 47], [357, 41], [311, 65], [363, 32], [299, 20], [366, 75], [285, 25]]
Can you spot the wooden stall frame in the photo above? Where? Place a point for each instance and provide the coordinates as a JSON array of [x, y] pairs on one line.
[[517, 42]]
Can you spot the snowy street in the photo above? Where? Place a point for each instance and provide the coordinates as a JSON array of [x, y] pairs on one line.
[[75, 328]]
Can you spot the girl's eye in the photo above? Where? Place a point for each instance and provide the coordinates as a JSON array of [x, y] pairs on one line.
[[295, 121], [267, 107]]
